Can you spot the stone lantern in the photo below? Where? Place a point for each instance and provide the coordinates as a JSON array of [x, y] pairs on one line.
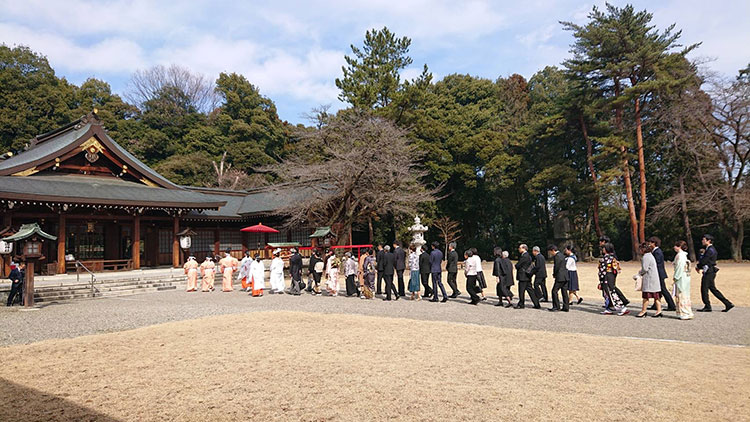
[[418, 231], [32, 237]]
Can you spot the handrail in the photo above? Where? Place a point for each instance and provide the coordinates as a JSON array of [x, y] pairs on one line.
[[80, 265]]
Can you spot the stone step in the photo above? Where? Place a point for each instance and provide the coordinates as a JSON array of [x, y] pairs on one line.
[[82, 296], [117, 282], [104, 289]]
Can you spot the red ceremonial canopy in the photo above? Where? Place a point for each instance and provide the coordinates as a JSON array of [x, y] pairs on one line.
[[259, 228]]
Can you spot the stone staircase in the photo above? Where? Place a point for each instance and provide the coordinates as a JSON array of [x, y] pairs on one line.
[[108, 288]]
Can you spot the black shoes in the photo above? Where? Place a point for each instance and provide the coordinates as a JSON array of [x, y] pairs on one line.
[[659, 315], [499, 304], [553, 310], [445, 299], [434, 300], [706, 309], [728, 308], [519, 307], [580, 299]]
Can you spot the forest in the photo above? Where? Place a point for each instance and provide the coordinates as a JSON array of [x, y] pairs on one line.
[[627, 138]]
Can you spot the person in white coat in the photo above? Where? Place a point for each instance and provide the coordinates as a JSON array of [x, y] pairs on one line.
[[277, 273], [257, 276]]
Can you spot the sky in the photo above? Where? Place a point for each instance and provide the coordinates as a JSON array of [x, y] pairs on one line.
[[293, 50]]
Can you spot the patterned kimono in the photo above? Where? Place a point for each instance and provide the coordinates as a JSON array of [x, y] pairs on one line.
[[191, 269], [333, 275], [207, 272], [682, 285], [609, 267], [227, 266]]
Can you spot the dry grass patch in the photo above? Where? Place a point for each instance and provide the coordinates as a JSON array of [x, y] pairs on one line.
[[317, 367]]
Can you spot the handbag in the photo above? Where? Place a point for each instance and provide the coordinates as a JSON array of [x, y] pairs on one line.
[[638, 283]]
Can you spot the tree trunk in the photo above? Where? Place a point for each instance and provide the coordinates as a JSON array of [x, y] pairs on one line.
[[738, 236], [590, 160], [371, 232], [626, 177], [641, 170], [686, 220]]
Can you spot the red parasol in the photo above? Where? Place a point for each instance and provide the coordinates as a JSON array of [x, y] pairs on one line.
[[259, 228]]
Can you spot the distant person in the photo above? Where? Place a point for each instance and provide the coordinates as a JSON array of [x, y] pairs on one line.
[[470, 271], [208, 269], [191, 270], [707, 266], [658, 254], [350, 272], [451, 267], [369, 266], [609, 268], [415, 287], [227, 266], [380, 266], [257, 276], [243, 272], [507, 268], [523, 271], [17, 278], [682, 281], [481, 282], [498, 270], [333, 266], [295, 272], [436, 267], [400, 256], [539, 271], [571, 263], [425, 270], [389, 268], [650, 288], [561, 275], [277, 273]]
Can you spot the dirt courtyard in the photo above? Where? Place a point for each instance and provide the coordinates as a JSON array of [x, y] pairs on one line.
[[333, 367]]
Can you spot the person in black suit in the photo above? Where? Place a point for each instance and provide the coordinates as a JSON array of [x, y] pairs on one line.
[[659, 256], [424, 271], [17, 277], [523, 270], [539, 271], [562, 278], [295, 272], [389, 268], [380, 266], [452, 268], [502, 290], [707, 266], [400, 255]]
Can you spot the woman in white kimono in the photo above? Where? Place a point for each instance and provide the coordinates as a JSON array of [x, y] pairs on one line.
[[332, 269], [682, 281], [257, 275], [277, 273]]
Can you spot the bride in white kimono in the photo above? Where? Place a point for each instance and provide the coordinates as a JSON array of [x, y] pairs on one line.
[[256, 275], [277, 273]]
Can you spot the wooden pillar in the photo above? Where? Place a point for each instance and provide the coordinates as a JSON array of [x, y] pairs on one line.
[[5, 270], [136, 248], [61, 245], [217, 243], [28, 287], [175, 243]]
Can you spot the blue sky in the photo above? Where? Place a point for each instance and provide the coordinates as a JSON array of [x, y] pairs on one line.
[[294, 50]]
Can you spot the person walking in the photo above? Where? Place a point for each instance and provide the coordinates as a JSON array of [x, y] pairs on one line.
[[243, 276], [380, 266], [400, 256], [425, 270], [523, 270], [481, 282], [539, 272], [650, 287], [561, 276], [227, 266], [17, 278], [436, 267], [369, 268], [277, 273], [707, 267], [315, 268], [415, 286], [257, 277], [470, 271], [333, 265], [682, 281], [208, 270], [451, 267], [498, 271], [609, 268], [295, 272], [389, 268], [655, 243], [191, 270], [350, 272], [571, 263]]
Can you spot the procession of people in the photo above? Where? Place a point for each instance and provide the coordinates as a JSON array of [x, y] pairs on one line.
[[364, 275]]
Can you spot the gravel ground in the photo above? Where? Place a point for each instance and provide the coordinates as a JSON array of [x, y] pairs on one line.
[[75, 319]]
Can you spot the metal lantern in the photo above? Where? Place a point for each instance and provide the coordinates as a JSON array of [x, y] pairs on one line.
[[6, 247]]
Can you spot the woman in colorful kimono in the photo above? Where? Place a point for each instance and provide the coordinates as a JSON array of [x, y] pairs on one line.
[[414, 281], [277, 272], [368, 267], [682, 281], [257, 276], [191, 269], [609, 267], [207, 272]]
